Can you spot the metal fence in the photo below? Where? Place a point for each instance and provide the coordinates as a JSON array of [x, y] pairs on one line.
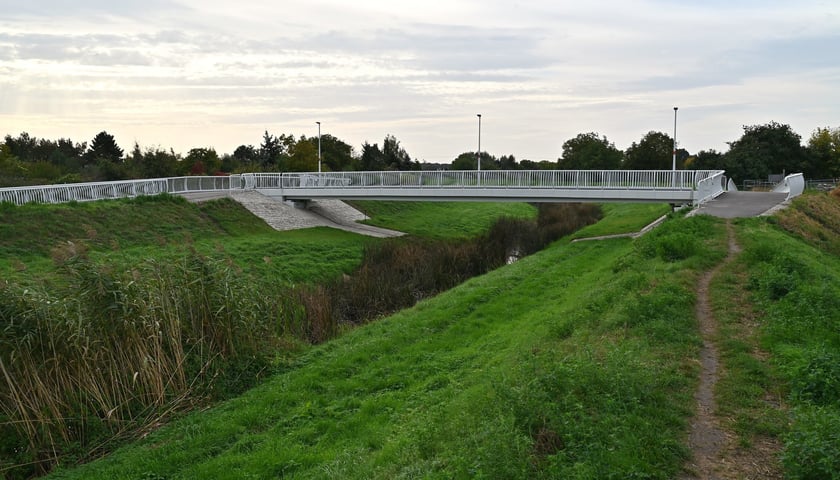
[[84, 192], [682, 180], [825, 184], [577, 179]]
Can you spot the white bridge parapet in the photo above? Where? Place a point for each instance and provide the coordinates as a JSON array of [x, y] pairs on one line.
[[679, 187]]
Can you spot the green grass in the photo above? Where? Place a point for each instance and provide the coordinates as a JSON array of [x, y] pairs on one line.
[[33, 230], [126, 232], [778, 306], [572, 363], [794, 287], [624, 218], [441, 219]]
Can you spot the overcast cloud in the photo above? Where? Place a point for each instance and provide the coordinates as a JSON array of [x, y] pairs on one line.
[[213, 73]]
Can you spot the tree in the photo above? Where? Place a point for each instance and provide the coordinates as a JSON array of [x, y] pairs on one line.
[[22, 147], [68, 154], [246, 154], [766, 149], [335, 154], [372, 158], [396, 158], [706, 160], [824, 153], [103, 147], [507, 162], [467, 161], [274, 150], [203, 161], [653, 152], [588, 151], [304, 157]]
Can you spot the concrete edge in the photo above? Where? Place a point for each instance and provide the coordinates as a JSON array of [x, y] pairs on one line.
[[641, 232]]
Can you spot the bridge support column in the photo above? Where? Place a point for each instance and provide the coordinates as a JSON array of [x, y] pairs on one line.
[[301, 204]]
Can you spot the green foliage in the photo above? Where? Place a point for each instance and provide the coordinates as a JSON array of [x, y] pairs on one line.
[[588, 151], [812, 449], [104, 147], [673, 244], [817, 379], [653, 152], [336, 156], [203, 161], [800, 300], [762, 150], [824, 154]]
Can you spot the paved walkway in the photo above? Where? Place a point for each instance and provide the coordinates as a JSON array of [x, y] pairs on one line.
[[742, 204], [282, 216]]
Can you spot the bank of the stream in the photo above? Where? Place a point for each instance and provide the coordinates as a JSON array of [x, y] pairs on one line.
[[571, 363], [104, 350]]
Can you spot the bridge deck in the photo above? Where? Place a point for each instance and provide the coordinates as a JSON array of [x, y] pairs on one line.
[[486, 194]]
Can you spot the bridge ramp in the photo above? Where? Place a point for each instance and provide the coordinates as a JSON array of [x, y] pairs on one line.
[[742, 204]]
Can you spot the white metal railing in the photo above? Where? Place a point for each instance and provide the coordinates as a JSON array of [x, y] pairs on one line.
[[710, 187], [577, 179], [84, 192], [704, 182], [793, 185]]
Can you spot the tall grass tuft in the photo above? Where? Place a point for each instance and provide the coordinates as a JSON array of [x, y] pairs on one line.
[[109, 352]]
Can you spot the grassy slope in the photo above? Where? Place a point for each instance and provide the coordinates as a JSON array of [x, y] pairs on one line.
[[629, 218], [441, 219], [785, 291], [126, 232], [571, 363]]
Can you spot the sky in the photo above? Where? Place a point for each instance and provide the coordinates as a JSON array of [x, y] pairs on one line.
[[212, 73]]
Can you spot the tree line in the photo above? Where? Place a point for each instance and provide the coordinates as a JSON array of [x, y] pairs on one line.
[[762, 150]]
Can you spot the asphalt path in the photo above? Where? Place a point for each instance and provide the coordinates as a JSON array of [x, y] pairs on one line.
[[742, 204]]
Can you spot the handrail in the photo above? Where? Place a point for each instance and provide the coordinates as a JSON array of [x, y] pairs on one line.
[[578, 179], [658, 180], [91, 191], [793, 185], [710, 187]]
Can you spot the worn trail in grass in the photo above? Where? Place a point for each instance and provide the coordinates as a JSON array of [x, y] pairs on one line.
[[706, 438]]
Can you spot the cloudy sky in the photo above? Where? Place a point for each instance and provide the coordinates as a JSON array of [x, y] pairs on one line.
[[213, 73]]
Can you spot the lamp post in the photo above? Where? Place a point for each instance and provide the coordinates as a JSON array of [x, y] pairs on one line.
[[674, 158], [319, 146], [478, 154]]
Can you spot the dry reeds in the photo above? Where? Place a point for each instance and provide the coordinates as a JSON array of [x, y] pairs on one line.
[[112, 352]]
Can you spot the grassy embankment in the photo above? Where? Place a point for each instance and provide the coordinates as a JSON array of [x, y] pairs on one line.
[[575, 362], [538, 379], [124, 233], [779, 307], [195, 298]]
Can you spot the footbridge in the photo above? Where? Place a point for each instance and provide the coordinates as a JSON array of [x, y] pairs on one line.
[[677, 187], [683, 187]]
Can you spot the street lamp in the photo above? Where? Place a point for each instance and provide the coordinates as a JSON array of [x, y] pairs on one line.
[[478, 154], [319, 146], [674, 158]]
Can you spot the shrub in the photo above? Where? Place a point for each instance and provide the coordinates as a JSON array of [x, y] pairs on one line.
[[812, 448], [817, 380]]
